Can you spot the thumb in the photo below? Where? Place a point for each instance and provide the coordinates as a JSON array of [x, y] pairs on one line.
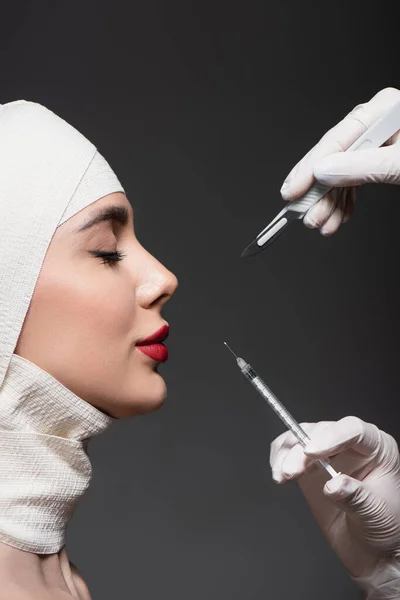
[[351, 496], [342, 169]]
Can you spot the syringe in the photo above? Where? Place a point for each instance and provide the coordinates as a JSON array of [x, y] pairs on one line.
[[278, 407]]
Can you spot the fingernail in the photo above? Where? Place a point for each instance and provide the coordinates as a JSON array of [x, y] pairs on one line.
[[324, 230], [289, 469], [310, 220], [334, 485], [345, 486], [276, 476], [289, 474], [285, 189]]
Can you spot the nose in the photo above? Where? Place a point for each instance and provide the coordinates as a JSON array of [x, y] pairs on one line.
[[157, 284]]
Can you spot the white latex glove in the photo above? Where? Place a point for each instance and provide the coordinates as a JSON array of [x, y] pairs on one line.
[[359, 510], [328, 164]]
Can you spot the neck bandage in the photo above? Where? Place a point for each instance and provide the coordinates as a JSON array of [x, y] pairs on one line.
[[48, 172]]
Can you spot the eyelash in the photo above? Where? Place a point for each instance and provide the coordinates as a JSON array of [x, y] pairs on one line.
[[109, 258]]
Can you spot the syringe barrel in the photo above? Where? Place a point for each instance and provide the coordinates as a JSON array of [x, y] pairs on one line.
[[280, 410], [274, 403]]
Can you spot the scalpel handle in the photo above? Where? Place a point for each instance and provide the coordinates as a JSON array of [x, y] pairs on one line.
[[272, 231], [373, 137]]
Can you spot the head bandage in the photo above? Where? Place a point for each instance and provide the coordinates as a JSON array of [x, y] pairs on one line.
[[48, 172]]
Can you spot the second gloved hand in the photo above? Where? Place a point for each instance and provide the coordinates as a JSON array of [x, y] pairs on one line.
[[343, 171], [359, 510]]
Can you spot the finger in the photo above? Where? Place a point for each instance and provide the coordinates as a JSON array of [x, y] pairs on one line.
[[281, 446], [365, 508], [378, 165], [285, 441], [333, 223], [299, 179], [289, 444], [294, 464], [322, 210], [350, 204], [337, 139], [349, 432]]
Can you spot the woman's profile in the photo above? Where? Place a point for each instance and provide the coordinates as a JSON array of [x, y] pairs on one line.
[[81, 332]]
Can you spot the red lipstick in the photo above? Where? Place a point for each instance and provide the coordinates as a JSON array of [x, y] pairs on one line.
[[152, 346]]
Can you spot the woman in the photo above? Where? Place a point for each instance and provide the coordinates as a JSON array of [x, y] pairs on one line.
[[55, 395], [69, 256]]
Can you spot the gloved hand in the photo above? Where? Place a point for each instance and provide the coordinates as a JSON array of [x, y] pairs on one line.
[[329, 164], [359, 510]]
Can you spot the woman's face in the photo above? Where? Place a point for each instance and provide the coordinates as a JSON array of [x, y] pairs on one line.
[[86, 317]]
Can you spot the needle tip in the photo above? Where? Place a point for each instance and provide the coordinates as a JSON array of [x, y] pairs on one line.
[[230, 349]]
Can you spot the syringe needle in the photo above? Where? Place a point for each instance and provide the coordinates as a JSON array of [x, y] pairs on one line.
[[229, 348], [278, 407]]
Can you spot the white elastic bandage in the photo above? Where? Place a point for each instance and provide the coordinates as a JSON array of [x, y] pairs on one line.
[[48, 172]]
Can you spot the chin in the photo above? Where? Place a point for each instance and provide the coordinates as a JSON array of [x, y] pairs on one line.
[[151, 399]]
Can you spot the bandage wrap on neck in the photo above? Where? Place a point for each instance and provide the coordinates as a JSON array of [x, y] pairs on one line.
[[48, 172]]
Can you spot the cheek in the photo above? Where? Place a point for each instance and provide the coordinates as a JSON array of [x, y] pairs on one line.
[[80, 314]]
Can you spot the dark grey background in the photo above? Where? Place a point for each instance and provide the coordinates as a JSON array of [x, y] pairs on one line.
[[202, 108]]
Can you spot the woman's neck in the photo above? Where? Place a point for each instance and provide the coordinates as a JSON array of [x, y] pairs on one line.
[[34, 573]]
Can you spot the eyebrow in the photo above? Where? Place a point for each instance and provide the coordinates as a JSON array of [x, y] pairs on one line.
[[117, 213]]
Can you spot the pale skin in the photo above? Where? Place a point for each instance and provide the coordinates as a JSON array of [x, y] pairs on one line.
[[81, 327]]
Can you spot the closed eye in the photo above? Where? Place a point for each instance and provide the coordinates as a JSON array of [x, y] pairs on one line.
[[109, 258]]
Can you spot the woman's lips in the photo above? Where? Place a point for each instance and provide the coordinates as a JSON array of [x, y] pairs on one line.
[[152, 346], [157, 352]]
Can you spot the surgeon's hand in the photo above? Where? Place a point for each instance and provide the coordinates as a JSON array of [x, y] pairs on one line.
[[359, 510], [329, 164]]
